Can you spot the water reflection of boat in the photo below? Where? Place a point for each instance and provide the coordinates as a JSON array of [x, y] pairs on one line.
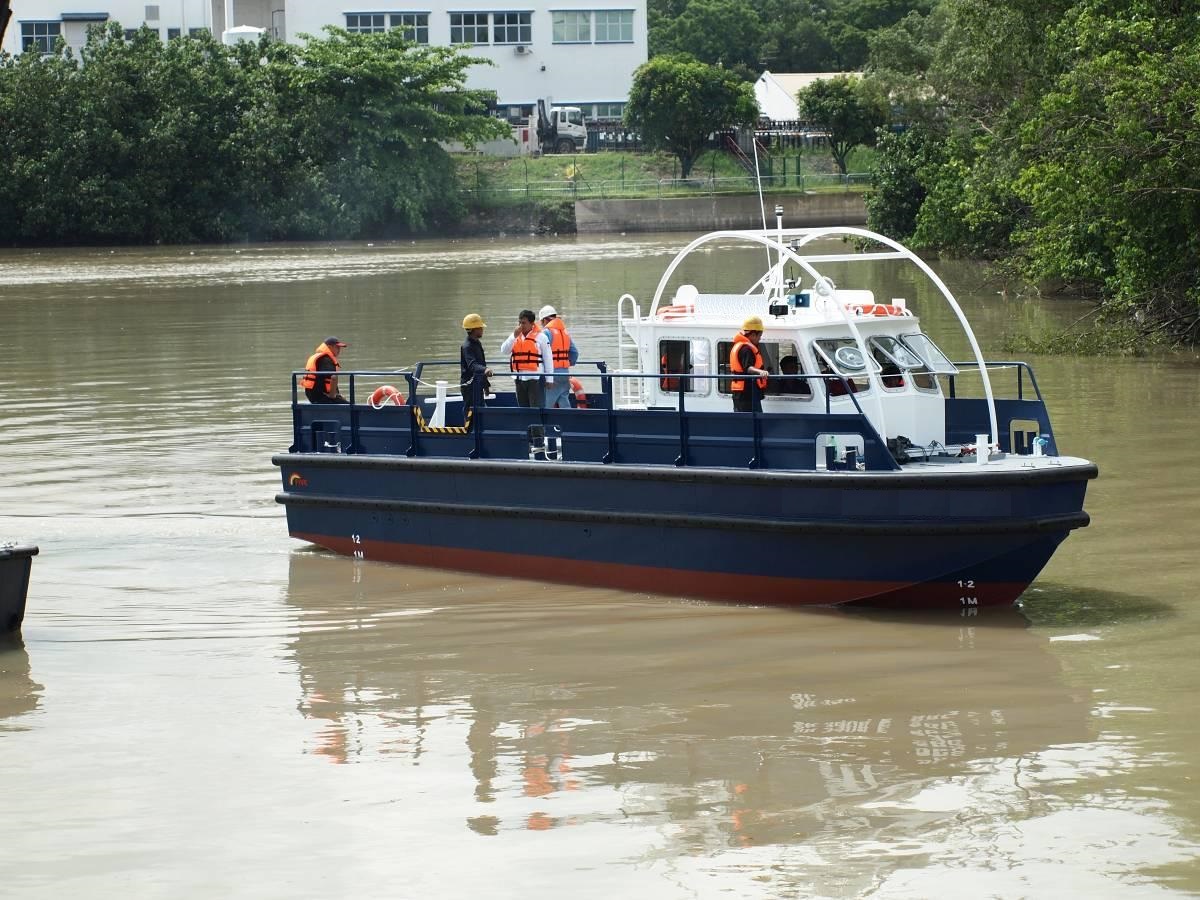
[[870, 476], [15, 564], [761, 716], [19, 693]]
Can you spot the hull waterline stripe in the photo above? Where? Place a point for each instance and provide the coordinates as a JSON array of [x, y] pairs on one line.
[[749, 589], [1063, 522]]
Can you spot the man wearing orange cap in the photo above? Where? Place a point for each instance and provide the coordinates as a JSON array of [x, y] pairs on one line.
[[323, 388], [745, 359]]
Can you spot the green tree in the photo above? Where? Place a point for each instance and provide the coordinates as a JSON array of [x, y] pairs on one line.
[[724, 33], [847, 109], [676, 102]]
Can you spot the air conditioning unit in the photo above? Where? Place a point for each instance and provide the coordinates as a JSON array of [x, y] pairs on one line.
[[520, 49]]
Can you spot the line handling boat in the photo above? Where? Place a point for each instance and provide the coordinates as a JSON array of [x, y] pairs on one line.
[[878, 473]]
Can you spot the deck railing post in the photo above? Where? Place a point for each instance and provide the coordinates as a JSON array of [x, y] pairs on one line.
[[354, 446], [682, 458], [411, 378]]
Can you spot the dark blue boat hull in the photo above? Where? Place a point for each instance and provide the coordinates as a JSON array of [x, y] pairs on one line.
[[960, 539]]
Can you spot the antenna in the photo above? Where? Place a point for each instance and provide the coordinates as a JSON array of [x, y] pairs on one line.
[[761, 203]]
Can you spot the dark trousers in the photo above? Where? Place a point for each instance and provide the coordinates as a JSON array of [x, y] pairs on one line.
[[529, 392], [316, 396], [747, 401]]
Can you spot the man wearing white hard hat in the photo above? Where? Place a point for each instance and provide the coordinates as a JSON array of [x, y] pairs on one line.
[[565, 355]]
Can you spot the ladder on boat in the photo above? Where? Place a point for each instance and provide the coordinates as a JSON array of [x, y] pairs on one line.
[[629, 391]]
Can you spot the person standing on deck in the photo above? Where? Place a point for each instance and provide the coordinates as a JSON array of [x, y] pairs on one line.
[[474, 371], [565, 355], [323, 388], [745, 359], [529, 354]]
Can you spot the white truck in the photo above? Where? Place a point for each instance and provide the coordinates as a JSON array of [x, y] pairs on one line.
[[560, 129]]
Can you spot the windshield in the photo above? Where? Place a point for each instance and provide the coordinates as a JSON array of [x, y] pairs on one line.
[[928, 351]]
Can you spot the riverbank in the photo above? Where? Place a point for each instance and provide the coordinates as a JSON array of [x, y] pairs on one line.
[[703, 213]]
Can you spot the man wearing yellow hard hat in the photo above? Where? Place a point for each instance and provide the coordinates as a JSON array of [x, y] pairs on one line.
[[746, 359], [474, 371]]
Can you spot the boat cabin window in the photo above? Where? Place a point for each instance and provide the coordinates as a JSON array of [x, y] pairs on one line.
[[898, 365], [841, 356], [935, 360], [772, 352], [789, 364], [683, 357]]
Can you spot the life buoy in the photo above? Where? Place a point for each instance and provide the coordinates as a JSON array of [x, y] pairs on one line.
[[580, 396], [678, 311], [385, 395], [876, 309]]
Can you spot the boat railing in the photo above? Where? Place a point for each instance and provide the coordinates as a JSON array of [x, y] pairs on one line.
[[604, 432], [1023, 372]]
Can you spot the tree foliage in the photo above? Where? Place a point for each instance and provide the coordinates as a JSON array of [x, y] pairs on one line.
[[1066, 132], [846, 108], [676, 102], [143, 141], [782, 35]]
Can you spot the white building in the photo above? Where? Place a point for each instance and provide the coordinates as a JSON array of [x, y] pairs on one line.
[[776, 92], [574, 52]]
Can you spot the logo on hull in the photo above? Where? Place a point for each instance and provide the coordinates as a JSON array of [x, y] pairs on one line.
[[297, 480]]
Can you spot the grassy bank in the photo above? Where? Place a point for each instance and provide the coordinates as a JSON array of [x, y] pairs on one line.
[[489, 182]]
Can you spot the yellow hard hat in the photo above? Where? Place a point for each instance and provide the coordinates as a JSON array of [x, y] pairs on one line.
[[474, 320], [754, 323]]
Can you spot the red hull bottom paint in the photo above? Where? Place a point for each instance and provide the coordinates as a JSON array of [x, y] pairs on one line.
[[759, 590]]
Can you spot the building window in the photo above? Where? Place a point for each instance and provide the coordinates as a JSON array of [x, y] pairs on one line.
[[614, 26], [366, 23], [610, 110], [130, 33], [511, 28], [197, 32], [172, 33], [571, 27], [468, 28], [414, 25], [40, 36]]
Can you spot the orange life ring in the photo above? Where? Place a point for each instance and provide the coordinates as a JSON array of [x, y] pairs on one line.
[[875, 309], [580, 396], [384, 395], [678, 311]]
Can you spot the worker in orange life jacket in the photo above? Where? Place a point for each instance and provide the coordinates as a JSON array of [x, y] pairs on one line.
[[323, 388], [746, 359], [565, 355], [529, 355]]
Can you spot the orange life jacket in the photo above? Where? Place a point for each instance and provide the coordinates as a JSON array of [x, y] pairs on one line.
[[310, 380], [526, 352], [667, 384], [560, 343], [735, 364]]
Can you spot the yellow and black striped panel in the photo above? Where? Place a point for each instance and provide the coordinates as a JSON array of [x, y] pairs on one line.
[[444, 429]]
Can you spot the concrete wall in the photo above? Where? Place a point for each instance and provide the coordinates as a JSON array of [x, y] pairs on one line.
[[718, 213]]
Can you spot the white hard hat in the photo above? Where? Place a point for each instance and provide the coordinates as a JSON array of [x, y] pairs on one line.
[[547, 311]]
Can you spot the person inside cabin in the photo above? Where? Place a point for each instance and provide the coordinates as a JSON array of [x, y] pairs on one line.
[[835, 386], [746, 359], [323, 388], [530, 357], [790, 365], [562, 348], [474, 371], [889, 372]]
